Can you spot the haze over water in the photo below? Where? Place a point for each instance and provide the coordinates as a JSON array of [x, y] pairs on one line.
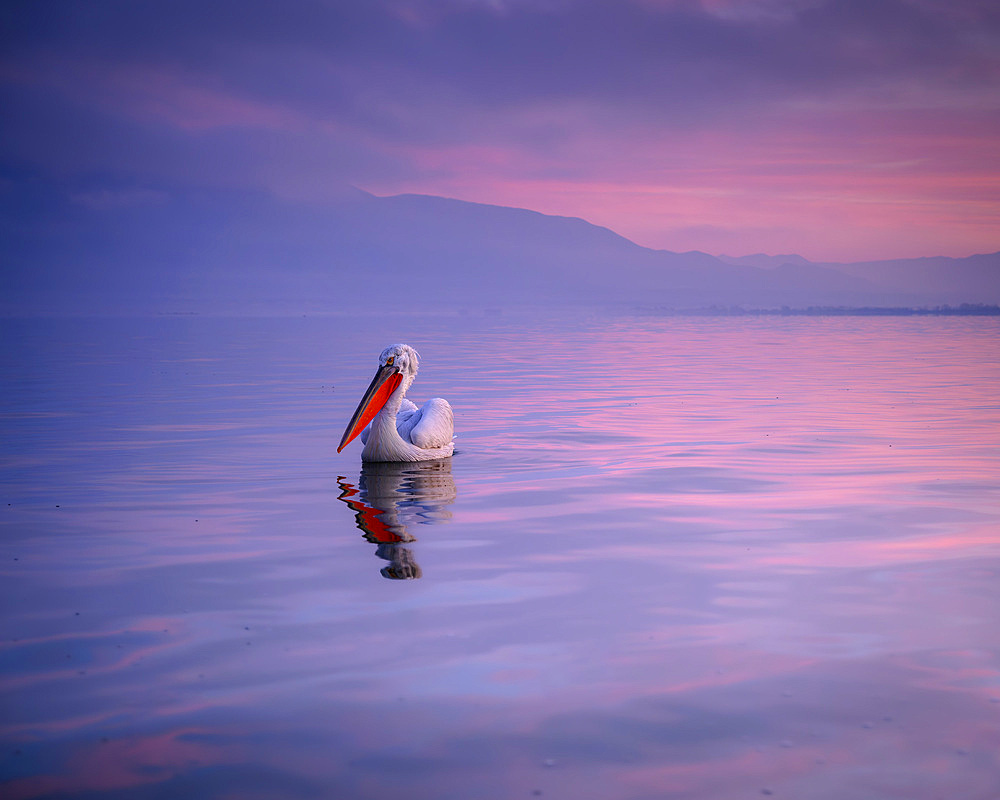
[[709, 557]]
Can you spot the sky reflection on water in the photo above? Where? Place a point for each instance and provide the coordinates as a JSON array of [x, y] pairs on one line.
[[707, 557]]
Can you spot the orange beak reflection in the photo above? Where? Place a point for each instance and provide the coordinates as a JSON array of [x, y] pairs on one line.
[[382, 386]]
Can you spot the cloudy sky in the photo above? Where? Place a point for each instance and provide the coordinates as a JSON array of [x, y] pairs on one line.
[[841, 130]]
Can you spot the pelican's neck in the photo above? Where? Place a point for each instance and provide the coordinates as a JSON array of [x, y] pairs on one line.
[[386, 418], [384, 442]]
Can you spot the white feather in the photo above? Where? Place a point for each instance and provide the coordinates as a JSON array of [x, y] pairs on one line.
[[435, 426]]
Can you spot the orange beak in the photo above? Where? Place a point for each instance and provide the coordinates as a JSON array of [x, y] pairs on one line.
[[383, 384]]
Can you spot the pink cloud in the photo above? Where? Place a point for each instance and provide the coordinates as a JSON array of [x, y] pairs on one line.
[[832, 186], [147, 92], [165, 96]]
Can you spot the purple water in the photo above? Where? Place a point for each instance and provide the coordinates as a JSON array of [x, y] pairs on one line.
[[712, 558]]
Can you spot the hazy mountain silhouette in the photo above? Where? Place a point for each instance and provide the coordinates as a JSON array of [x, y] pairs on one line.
[[975, 279], [763, 260], [127, 249]]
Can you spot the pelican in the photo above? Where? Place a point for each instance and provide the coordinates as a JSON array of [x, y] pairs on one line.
[[400, 431]]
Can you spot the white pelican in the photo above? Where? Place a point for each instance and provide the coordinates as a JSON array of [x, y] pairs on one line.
[[400, 431]]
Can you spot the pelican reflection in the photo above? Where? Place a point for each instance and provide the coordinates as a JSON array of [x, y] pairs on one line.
[[391, 496]]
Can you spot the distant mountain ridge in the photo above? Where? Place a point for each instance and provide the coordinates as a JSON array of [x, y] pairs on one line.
[[764, 261], [240, 252], [973, 279]]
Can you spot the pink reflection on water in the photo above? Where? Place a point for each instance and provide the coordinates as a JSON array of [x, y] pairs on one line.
[[92, 654], [970, 544], [133, 763]]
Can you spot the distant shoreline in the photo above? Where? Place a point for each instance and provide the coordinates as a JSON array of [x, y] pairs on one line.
[[963, 310]]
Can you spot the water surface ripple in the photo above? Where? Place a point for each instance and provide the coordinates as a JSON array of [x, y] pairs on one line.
[[713, 558]]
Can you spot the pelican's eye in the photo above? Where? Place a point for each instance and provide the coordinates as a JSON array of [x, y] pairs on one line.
[[389, 361]]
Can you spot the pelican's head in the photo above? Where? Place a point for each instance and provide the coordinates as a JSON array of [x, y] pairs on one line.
[[403, 357], [396, 365]]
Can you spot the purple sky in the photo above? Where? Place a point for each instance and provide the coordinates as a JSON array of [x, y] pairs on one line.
[[840, 130]]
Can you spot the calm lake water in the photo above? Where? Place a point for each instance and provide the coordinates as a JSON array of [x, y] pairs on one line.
[[672, 558]]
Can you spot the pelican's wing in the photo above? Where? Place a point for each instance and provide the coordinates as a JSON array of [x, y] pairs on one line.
[[406, 411], [436, 425]]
